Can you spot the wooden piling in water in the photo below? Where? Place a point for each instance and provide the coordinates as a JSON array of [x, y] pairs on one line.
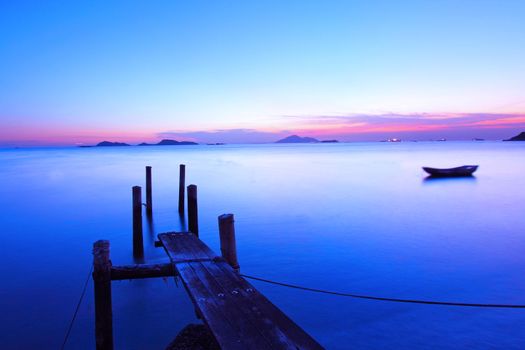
[[193, 216], [227, 237], [182, 186], [149, 196], [138, 244], [103, 308]]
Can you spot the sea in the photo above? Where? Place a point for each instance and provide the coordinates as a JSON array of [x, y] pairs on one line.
[[358, 218]]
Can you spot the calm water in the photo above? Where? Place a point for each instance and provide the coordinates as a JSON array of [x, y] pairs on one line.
[[357, 218]]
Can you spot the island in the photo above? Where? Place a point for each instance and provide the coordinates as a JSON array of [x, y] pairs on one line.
[[297, 139], [520, 137], [110, 144], [167, 142], [329, 141]]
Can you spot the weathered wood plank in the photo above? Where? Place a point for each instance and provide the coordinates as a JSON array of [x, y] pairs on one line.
[[267, 310], [184, 246], [128, 272], [278, 329], [237, 314], [211, 307]]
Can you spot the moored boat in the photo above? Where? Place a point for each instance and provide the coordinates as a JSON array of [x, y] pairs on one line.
[[465, 170]]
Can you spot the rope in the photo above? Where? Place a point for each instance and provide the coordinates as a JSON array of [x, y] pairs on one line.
[[77, 308], [427, 302]]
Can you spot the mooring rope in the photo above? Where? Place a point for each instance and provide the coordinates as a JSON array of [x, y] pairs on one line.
[[397, 300], [77, 308]]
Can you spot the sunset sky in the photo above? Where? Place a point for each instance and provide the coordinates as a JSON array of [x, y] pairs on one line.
[[79, 72]]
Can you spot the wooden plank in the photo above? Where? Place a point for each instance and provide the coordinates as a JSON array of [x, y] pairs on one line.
[[239, 308], [238, 315], [184, 246], [128, 272], [210, 300], [280, 330], [267, 310]]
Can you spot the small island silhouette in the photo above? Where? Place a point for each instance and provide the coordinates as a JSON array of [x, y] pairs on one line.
[[111, 144], [297, 139], [165, 142], [520, 137]]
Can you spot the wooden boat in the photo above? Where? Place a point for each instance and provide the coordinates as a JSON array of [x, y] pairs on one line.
[[465, 170]]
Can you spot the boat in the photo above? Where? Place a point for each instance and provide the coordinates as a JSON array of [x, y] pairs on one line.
[[465, 170]]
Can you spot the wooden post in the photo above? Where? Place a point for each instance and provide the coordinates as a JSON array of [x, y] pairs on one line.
[[103, 308], [138, 244], [193, 216], [182, 186], [149, 197], [228, 244]]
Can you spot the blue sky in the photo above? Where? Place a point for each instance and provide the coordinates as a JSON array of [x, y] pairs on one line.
[[75, 72]]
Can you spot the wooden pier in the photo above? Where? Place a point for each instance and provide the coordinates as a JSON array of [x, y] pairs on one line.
[[235, 312]]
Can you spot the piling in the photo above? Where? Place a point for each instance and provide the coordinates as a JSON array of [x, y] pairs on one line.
[[149, 196], [138, 244], [103, 308], [227, 237], [182, 186], [193, 217]]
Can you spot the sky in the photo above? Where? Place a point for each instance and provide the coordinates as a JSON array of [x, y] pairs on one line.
[[79, 72]]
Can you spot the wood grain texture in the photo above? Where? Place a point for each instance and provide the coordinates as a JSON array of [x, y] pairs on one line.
[[236, 313]]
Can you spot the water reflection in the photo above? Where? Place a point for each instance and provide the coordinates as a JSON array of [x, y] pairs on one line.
[[150, 227], [433, 180], [295, 207]]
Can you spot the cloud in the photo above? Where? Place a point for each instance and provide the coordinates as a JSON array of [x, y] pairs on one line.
[[225, 135], [414, 123], [350, 127], [371, 127]]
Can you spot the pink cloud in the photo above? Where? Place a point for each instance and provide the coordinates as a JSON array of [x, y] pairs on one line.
[[352, 127]]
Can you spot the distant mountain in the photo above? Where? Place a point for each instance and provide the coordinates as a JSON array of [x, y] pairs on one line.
[[167, 142], [111, 144], [520, 137], [297, 139]]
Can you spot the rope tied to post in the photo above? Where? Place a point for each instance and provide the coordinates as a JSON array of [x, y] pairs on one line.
[[396, 300]]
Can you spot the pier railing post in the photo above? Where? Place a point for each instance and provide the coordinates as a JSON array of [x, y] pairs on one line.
[[227, 237], [149, 196], [138, 244], [193, 216], [103, 308], [182, 186]]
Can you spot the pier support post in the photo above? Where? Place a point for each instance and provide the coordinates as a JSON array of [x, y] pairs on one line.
[[138, 244], [149, 196], [193, 216], [227, 237], [182, 186], [103, 308]]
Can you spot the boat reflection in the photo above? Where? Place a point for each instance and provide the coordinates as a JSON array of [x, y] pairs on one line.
[[442, 180]]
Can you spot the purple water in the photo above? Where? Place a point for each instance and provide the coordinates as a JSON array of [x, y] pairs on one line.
[[358, 218]]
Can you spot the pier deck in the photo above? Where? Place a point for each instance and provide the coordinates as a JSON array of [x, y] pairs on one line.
[[238, 315]]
